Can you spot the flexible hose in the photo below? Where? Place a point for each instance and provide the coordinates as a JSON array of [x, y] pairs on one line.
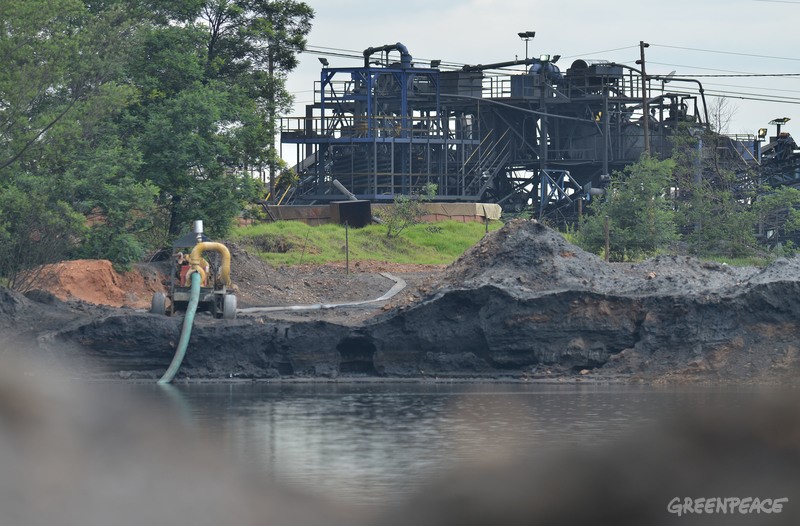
[[399, 284], [188, 321]]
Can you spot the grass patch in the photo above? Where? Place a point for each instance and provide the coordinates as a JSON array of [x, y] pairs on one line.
[[749, 261], [293, 242]]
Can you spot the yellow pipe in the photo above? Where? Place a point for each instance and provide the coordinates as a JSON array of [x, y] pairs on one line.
[[196, 259], [198, 269]]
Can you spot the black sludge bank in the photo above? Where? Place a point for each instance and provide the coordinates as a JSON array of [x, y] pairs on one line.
[[523, 303]]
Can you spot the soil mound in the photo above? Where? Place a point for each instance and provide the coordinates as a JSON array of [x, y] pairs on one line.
[[526, 258], [96, 281]]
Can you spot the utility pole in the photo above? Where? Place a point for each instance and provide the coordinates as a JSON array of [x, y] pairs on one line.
[[645, 105], [542, 138]]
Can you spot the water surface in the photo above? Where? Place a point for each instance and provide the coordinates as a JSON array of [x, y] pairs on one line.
[[368, 444]]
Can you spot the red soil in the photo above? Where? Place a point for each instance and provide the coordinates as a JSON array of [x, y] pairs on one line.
[[96, 281]]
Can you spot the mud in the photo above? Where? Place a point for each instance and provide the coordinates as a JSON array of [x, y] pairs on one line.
[[522, 305]]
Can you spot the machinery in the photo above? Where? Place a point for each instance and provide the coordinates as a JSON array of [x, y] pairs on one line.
[[530, 137], [215, 294]]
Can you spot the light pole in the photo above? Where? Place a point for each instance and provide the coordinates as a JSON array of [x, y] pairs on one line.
[[527, 36], [779, 122]]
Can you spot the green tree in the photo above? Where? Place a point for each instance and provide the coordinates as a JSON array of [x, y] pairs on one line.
[[113, 107], [777, 213], [207, 113], [639, 213], [55, 54], [715, 216], [35, 228], [715, 223], [65, 176], [255, 43]]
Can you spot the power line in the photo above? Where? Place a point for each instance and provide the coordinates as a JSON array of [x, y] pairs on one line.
[[778, 98], [603, 51], [750, 74], [700, 68], [752, 87], [743, 96], [728, 52]]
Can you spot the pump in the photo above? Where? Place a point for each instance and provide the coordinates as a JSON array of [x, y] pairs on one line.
[[215, 295]]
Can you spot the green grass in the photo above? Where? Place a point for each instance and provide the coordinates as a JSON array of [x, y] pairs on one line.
[[293, 242], [750, 261]]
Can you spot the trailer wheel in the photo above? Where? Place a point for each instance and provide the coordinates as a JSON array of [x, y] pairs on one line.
[[158, 305], [229, 307]]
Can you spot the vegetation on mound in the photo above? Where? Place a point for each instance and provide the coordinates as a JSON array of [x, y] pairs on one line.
[[291, 242]]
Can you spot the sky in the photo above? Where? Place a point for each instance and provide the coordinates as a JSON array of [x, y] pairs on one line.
[[690, 37]]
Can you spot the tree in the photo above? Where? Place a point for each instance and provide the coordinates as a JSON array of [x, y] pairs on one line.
[[713, 203], [715, 223], [61, 160], [207, 109], [35, 228], [137, 116], [640, 215], [55, 54], [256, 42], [777, 214]]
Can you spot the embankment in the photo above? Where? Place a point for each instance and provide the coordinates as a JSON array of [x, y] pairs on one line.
[[521, 304]]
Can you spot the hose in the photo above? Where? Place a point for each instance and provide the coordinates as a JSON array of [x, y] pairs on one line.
[[188, 321], [399, 284]]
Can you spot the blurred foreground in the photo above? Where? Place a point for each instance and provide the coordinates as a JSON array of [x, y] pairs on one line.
[[77, 454]]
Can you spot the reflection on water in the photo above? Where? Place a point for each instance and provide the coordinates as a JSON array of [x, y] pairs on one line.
[[369, 444]]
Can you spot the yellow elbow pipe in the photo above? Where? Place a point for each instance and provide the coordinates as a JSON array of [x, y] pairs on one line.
[[196, 259], [198, 269]]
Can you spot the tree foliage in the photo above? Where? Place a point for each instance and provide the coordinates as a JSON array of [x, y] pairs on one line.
[[208, 118], [640, 216], [777, 214], [696, 199], [62, 161], [123, 120], [715, 210], [35, 227]]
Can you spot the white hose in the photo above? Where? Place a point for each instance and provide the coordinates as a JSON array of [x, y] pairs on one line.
[[399, 284]]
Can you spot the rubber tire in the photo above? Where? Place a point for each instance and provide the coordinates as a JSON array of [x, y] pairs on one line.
[[159, 304], [229, 307]]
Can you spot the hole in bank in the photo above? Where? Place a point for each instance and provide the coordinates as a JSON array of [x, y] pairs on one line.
[[356, 356]]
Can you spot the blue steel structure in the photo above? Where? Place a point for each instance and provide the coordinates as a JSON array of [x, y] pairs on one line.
[[530, 137]]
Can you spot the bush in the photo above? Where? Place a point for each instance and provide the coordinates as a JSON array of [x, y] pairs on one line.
[[34, 230], [121, 248], [407, 210]]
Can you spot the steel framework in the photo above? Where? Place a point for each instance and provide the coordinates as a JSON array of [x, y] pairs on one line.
[[527, 138]]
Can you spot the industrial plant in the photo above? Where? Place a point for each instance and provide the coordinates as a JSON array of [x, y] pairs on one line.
[[533, 137]]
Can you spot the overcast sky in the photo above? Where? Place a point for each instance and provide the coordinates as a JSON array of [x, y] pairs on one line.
[[719, 37]]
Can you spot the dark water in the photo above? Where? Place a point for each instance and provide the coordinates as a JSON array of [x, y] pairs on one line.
[[374, 444]]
